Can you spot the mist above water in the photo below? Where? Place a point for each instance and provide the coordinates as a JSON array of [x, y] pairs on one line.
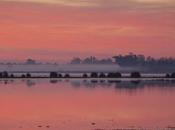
[[68, 68]]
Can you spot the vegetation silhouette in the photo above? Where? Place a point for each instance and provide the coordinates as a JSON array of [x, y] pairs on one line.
[[173, 75], [102, 75], [12, 76], [23, 76], [135, 75], [114, 75], [28, 75], [53, 75], [30, 62], [129, 60], [85, 75], [91, 60], [60, 75], [5, 74], [94, 75], [66, 76], [167, 76], [132, 59]]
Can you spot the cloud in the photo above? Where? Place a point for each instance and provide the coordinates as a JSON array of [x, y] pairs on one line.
[[78, 3], [156, 1], [105, 3], [96, 26]]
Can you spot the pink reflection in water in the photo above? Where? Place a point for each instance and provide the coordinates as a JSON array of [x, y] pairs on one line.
[[64, 106]]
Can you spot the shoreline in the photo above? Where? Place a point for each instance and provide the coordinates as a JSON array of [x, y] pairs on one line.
[[116, 79]]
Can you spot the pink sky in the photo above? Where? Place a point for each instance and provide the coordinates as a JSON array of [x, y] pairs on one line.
[[62, 29]]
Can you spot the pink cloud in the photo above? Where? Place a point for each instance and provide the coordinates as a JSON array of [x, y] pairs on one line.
[[86, 30]]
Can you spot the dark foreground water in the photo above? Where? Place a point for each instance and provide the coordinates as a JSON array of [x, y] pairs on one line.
[[77, 104]]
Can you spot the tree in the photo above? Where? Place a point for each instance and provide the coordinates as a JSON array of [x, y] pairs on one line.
[[5, 74], [23, 76], [173, 75], [135, 75], [53, 75], [67, 76], [12, 76], [60, 76], [85, 75], [94, 75], [168, 76], [28, 75], [30, 62], [105, 61], [102, 75], [114, 75], [76, 61]]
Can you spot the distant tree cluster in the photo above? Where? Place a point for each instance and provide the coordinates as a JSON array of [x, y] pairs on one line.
[[140, 60], [91, 60], [30, 62], [129, 60]]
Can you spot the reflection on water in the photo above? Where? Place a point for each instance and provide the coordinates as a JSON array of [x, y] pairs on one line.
[[118, 84], [86, 104]]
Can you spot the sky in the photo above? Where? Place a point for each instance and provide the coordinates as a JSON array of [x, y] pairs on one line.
[[62, 29]]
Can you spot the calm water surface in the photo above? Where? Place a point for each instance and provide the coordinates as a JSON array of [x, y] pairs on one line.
[[40, 104]]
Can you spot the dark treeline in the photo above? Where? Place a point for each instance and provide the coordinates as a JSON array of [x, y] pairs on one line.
[[129, 60], [141, 60], [6, 74], [91, 60]]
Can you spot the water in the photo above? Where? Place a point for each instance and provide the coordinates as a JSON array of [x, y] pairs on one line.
[[77, 104]]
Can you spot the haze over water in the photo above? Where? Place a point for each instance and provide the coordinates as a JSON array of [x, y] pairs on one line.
[[78, 104]]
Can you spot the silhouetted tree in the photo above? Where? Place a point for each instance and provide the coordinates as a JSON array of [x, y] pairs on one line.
[[168, 76], [94, 75], [5, 74], [53, 75], [76, 61], [85, 75], [105, 61], [23, 76], [67, 76], [140, 60], [1, 75], [12, 76], [102, 75], [114, 75], [117, 75], [94, 60], [28, 75], [135, 75], [30, 62], [173, 75], [89, 60], [60, 76], [129, 60], [110, 75]]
